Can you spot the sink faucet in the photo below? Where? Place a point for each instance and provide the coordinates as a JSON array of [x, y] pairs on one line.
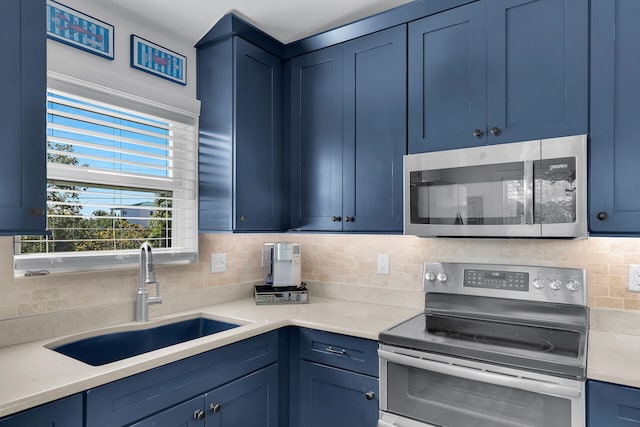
[[147, 277]]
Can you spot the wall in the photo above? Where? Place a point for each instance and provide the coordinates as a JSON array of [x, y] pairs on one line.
[[335, 265]]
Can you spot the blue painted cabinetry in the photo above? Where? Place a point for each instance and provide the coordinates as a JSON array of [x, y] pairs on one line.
[[240, 152], [136, 398], [498, 71], [338, 384], [348, 133], [611, 405], [65, 412], [614, 177], [22, 118], [251, 401]]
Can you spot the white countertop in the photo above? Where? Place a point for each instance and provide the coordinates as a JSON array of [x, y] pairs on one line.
[[32, 374]]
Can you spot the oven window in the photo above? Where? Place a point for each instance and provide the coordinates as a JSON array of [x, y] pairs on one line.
[[472, 195], [451, 401]]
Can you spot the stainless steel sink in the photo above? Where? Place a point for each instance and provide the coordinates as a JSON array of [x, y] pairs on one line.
[[110, 347]]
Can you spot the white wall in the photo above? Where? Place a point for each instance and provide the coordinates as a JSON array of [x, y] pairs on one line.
[[117, 74]]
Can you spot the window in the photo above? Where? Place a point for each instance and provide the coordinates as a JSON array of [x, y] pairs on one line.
[[115, 178]]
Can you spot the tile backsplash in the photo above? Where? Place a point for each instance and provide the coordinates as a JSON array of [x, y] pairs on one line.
[[330, 259]]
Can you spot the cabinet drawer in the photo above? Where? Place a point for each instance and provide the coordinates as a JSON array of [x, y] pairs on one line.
[[612, 405], [65, 412], [131, 399], [341, 351]]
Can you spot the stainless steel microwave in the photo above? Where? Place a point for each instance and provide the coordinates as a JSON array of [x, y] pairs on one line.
[[523, 189]]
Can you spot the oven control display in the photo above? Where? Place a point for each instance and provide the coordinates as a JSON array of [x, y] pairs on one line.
[[492, 279]]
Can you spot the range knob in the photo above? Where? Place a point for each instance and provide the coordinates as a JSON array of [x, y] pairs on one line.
[[442, 277], [537, 283], [555, 284], [573, 285], [429, 276]]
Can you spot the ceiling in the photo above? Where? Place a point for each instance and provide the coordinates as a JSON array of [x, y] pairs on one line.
[[285, 20]]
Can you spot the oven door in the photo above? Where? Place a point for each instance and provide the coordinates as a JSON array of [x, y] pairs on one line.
[[422, 389]]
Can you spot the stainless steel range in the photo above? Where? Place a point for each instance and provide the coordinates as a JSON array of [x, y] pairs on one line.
[[496, 346]]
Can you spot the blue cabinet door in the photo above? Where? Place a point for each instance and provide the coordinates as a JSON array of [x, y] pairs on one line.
[[611, 405], [447, 80], [251, 401], [240, 143], [614, 193], [65, 412], [335, 397], [22, 118], [316, 140], [374, 138], [259, 188], [537, 59], [188, 414]]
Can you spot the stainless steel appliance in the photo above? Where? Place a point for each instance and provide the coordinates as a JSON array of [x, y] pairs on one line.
[[281, 264], [525, 189], [496, 346]]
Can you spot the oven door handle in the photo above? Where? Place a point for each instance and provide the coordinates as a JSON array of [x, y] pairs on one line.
[[482, 376]]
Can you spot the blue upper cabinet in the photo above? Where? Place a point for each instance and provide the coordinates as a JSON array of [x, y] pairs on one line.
[[537, 69], [316, 140], [348, 133], [240, 144], [22, 118], [447, 80], [614, 177], [498, 71]]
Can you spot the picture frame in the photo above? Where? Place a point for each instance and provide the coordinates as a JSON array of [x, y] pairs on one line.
[[157, 60], [79, 30]]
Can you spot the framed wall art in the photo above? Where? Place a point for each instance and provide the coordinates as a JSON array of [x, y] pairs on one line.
[[154, 59], [76, 29]]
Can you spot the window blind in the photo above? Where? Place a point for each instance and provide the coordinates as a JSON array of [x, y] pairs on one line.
[[115, 178]]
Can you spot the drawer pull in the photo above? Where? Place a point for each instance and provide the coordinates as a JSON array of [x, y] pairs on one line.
[[342, 352]]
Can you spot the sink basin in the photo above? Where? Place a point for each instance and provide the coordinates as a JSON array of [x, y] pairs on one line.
[[107, 348]]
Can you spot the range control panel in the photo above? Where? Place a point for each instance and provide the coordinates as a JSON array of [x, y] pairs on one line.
[[495, 279], [548, 284]]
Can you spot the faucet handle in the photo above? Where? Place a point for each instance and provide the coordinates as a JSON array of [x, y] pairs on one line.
[[157, 299]]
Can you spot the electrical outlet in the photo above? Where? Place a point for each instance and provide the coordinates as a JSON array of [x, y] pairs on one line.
[[383, 264], [218, 263], [634, 277]]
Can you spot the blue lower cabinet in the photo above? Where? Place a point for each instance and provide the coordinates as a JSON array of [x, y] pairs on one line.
[[612, 405], [187, 414], [251, 401], [135, 398], [65, 412], [334, 397]]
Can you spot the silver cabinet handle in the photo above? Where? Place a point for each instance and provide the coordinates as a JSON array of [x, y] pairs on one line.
[[342, 352]]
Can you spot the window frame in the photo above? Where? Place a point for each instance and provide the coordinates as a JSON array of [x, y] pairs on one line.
[[186, 219]]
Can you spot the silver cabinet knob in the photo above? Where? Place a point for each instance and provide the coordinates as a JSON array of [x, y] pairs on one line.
[[199, 414], [215, 407], [429, 276], [495, 131], [336, 218], [349, 219], [442, 277], [478, 133], [370, 395]]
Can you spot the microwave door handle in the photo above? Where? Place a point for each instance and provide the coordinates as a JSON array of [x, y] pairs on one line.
[[482, 376], [528, 182]]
